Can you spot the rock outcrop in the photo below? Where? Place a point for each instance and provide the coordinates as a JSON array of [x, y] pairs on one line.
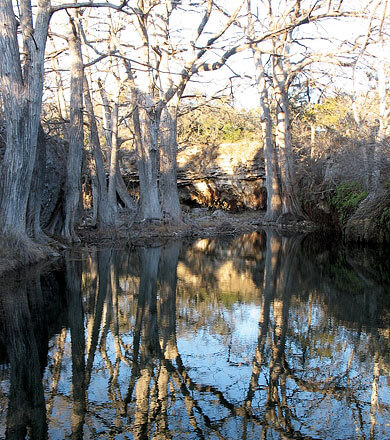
[[54, 174], [227, 176]]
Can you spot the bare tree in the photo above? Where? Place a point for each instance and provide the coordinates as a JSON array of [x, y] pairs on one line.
[[105, 213], [384, 107], [274, 204], [21, 81], [76, 133], [284, 22]]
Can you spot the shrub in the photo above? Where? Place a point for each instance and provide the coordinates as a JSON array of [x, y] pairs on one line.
[[384, 221], [346, 199]]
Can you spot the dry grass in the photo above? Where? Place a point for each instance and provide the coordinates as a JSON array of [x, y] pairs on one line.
[[16, 253]]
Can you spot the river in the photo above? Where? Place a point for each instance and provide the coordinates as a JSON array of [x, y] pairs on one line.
[[260, 336]]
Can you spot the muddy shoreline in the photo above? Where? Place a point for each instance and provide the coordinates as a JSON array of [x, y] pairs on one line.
[[197, 223]]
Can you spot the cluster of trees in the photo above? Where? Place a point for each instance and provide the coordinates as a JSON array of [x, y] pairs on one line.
[[137, 57], [214, 124]]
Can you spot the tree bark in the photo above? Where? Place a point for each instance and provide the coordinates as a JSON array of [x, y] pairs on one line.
[[59, 90], [116, 183], [76, 136], [289, 198], [168, 165], [274, 204], [122, 191], [146, 127], [106, 214], [35, 197], [113, 158], [21, 96], [384, 112]]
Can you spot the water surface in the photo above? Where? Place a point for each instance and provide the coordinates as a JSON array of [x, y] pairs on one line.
[[255, 337]]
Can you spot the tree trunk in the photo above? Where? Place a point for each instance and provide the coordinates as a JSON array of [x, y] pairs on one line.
[[113, 158], [107, 119], [76, 136], [274, 204], [290, 203], [116, 183], [59, 90], [106, 214], [168, 165], [21, 96], [146, 126], [122, 191], [384, 112], [313, 140], [36, 191]]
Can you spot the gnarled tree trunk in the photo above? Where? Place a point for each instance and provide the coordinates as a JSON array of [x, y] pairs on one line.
[[21, 97]]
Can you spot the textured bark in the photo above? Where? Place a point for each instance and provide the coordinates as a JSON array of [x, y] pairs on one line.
[[76, 136], [107, 118], [21, 96], [168, 165], [116, 183], [274, 204], [62, 107], [146, 126], [288, 194], [105, 213], [169, 195], [113, 158], [122, 191], [36, 192], [384, 113]]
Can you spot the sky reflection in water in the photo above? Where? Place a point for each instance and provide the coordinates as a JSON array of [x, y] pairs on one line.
[[259, 336]]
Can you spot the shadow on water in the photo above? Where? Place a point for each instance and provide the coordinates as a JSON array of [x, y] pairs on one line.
[[259, 336]]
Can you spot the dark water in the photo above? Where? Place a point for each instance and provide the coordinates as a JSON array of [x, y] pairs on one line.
[[257, 337]]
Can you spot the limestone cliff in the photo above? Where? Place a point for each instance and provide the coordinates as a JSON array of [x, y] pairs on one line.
[[228, 176]]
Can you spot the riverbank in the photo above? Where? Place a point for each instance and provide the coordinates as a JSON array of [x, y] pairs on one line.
[[197, 223]]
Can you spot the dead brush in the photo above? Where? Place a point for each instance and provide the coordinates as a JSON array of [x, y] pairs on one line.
[[16, 252]]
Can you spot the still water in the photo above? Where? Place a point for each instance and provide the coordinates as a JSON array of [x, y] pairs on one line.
[[255, 337]]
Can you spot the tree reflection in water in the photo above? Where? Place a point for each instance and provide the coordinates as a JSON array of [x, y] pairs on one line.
[[261, 336]]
